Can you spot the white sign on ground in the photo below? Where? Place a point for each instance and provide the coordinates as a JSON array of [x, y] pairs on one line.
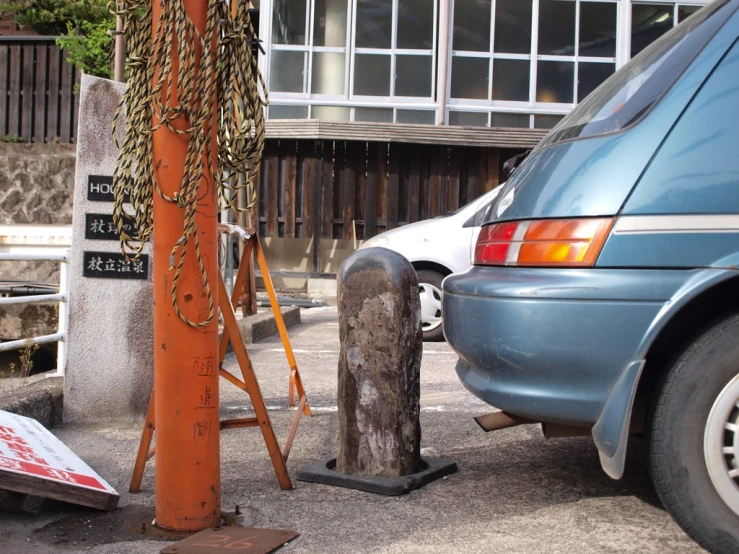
[[35, 462]]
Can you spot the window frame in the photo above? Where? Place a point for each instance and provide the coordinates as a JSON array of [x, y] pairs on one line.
[[348, 99], [393, 52], [530, 106], [438, 98], [310, 50]]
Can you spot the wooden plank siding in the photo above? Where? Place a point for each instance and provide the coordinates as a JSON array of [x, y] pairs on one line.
[[65, 119], [4, 89], [289, 174], [376, 155], [15, 72], [40, 92], [52, 106], [27, 65], [37, 100], [271, 169], [329, 189]]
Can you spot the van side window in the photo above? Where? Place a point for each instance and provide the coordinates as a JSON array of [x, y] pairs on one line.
[[696, 171]]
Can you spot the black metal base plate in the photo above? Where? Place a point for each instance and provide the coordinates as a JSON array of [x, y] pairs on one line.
[[324, 473]]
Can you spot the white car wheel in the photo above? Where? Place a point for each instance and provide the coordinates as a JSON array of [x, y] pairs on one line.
[[429, 288]]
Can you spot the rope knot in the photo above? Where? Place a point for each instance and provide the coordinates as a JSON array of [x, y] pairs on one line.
[[136, 62]]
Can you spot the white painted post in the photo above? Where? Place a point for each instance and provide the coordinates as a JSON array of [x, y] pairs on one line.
[[443, 62], [61, 356]]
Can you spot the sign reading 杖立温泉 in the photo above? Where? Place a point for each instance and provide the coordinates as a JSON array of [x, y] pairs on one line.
[[35, 462], [101, 227], [114, 265]]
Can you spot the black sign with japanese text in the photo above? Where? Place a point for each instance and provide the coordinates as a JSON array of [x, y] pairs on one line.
[[100, 188], [101, 227], [113, 265]]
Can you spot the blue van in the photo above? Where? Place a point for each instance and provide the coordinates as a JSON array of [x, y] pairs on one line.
[[604, 296]]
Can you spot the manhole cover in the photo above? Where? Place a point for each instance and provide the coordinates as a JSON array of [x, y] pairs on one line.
[[233, 539]]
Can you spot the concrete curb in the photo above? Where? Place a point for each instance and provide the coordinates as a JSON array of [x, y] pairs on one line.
[[261, 326], [41, 401]]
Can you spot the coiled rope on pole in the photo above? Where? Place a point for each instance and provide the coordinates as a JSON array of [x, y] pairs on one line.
[[226, 79]]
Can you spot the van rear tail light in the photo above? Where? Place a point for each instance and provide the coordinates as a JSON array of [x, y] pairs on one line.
[[553, 242]]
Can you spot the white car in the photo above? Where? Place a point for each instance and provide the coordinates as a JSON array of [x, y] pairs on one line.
[[436, 248]]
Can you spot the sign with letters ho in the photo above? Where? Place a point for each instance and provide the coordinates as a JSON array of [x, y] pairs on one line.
[[35, 462], [100, 188], [113, 265]]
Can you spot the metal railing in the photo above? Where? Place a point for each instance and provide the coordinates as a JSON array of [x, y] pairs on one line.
[[62, 298]]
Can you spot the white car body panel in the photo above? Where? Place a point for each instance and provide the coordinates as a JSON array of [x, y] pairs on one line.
[[443, 240]]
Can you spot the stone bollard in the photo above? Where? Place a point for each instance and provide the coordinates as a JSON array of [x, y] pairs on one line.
[[379, 380], [379, 365]]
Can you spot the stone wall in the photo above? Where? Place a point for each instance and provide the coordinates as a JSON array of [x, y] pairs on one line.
[[36, 186], [36, 183]]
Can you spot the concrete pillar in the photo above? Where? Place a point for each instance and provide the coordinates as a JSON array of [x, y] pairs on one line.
[[110, 342], [331, 72], [379, 365]]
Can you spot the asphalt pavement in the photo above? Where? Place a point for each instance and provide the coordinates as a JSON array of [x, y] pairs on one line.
[[514, 491]]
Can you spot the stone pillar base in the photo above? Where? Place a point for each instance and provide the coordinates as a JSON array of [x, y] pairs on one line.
[[324, 473]]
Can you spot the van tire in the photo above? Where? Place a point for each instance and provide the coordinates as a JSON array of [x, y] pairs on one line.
[[676, 437]]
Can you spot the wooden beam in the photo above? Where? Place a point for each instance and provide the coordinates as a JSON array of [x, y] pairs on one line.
[[239, 423], [312, 129], [33, 486]]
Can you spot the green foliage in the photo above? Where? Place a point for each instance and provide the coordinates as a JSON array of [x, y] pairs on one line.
[[12, 138], [82, 27], [9, 8], [53, 17], [90, 50]]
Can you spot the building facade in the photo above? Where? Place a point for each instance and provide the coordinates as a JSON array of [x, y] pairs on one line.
[[497, 63]]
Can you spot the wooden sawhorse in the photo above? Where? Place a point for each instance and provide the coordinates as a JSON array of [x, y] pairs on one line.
[[249, 383]]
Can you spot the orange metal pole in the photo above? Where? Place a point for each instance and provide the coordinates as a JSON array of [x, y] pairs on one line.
[[188, 487]]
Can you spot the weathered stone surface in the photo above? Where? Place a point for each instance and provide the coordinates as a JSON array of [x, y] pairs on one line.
[[36, 186], [42, 401], [36, 179], [110, 361], [39, 272], [22, 321], [379, 365]]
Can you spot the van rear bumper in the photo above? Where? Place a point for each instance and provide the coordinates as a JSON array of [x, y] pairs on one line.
[[549, 344]]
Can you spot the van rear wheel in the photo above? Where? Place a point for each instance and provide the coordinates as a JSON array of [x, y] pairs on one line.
[[694, 439]]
